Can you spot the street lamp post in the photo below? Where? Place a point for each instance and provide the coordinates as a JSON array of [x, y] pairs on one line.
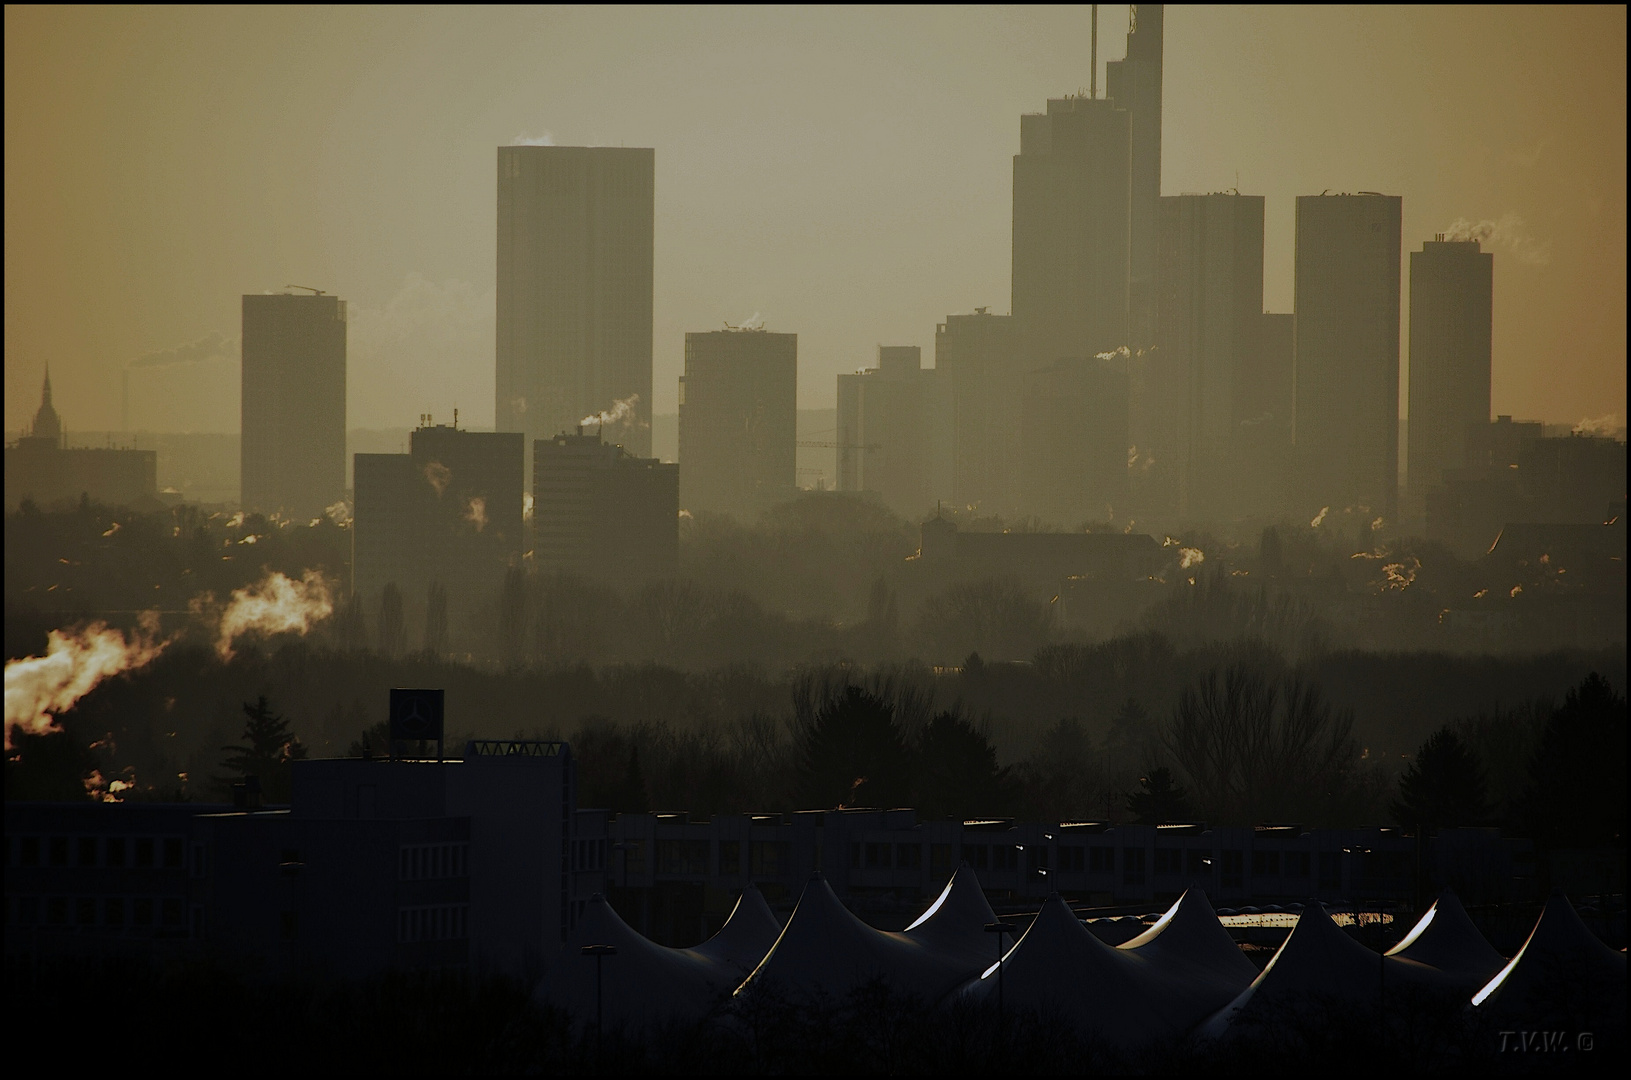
[[998, 929], [599, 952]]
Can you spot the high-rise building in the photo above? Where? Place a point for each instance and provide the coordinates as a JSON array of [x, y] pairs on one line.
[[738, 410], [1198, 394], [1073, 443], [1134, 84], [1071, 222], [600, 511], [293, 448], [574, 290], [1346, 397], [1263, 418], [892, 435], [447, 513], [976, 359], [1451, 290]]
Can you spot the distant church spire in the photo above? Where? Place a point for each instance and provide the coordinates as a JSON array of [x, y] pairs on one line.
[[47, 424]]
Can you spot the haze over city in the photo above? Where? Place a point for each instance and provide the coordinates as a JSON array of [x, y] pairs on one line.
[[844, 174], [945, 540]]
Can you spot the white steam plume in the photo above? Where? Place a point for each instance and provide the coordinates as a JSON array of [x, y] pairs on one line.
[[543, 138], [752, 322], [1602, 425], [210, 347], [1319, 518], [475, 512], [275, 605], [1508, 232], [39, 688], [438, 476], [1188, 557], [621, 412]]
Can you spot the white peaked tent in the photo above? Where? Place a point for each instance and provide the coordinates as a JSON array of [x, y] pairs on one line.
[[825, 951], [746, 936], [1189, 947], [1445, 939], [1563, 972], [643, 984], [1060, 967], [1319, 966], [954, 925]]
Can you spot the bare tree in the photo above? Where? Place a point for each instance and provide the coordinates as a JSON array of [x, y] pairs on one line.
[[436, 619], [390, 620], [1256, 747]]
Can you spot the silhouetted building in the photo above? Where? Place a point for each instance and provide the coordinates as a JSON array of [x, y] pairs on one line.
[[447, 512], [1346, 405], [976, 359], [1073, 443], [574, 289], [738, 408], [1071, 219], [598, 510], [1134, 84], [1451, 289], [893, 433], [1515, 475], [39, 467], [293, 403], [1263, 453], [1198, 404]]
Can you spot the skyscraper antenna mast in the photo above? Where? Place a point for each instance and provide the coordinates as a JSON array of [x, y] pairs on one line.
[[1093, 75]]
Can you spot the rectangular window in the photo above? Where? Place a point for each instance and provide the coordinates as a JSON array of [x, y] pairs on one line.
[[113, 911], [696, 854], [855, 856], [634, 857], [29, 851], [28, 910], [766, 858], [85, 911], [730, 856], [144, 852], [1004, 856], [1297, 864], [877, 856], [175, 912], [1233, 864], [1168, 862], [1200, 862], [59, 851], [1101, 860], [940, 858], [173, 851], [142, 909], [1132, 866], [909, 856], [87, 851], [977, 856], [56, 910], [1330, 870], [1071, 858], [288, 925]]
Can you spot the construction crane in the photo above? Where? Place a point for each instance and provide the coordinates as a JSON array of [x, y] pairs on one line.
[[839, 446], [318, 292]]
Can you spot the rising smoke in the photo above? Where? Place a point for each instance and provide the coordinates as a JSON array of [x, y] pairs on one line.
[[438, 476], [210, 347], [1508, 232], [41, 688], [621, 412], [475, 512]]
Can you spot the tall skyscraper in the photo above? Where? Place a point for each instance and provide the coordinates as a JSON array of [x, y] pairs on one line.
[[1135, 85], [1071, 222], [738, 410], [1073, 443], [976, 359], [1263, 425], [1198, 393], [892, 432], [293, 443], [1346, 394], [574, 289], [1451, 289]]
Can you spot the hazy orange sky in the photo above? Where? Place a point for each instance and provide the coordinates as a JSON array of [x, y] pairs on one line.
[[844, 173]]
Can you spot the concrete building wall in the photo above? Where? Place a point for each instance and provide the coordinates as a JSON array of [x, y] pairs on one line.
[[1451, 312], [597, 510], [293, 423], [977, 361], [1346, 404], [738, 406]]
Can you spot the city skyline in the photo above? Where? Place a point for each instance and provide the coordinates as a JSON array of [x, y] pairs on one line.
[[422, 298]]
